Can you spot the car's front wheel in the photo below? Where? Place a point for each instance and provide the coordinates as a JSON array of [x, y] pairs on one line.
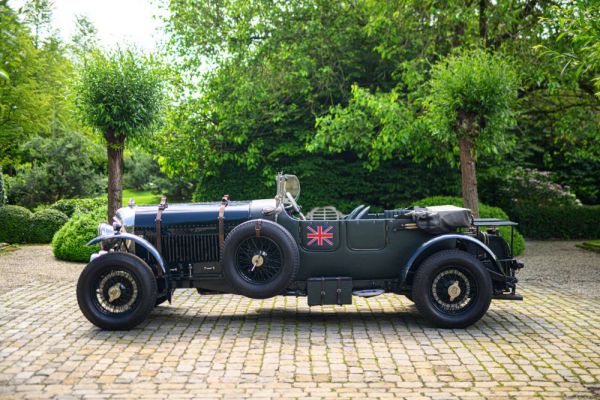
[[452, 289], [116, 291]]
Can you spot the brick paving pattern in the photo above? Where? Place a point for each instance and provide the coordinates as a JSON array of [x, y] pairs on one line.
[[227, 346]]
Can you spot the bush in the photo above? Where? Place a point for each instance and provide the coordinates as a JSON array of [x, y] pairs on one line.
[[14, 223], [566, 222], [44, 225], [69, 243], [485, 211], [84, 206], [62, 165], [509, 188]]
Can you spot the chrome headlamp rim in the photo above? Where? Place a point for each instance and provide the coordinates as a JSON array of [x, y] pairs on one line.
[[105, 229]]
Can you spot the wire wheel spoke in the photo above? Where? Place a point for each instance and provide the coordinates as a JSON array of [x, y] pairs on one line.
[[258, 260]]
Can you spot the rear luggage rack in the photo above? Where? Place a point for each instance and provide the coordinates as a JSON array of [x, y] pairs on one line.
[[495, 222]]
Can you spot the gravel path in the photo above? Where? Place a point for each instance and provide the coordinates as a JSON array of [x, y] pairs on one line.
[[561, 265], [557, 264], [35, 263]]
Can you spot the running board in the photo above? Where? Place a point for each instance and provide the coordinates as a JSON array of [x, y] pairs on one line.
[[368, 292], [508, 296]]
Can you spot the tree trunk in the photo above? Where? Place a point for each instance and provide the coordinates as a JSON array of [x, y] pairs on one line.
[[467, 171], [114, 150]]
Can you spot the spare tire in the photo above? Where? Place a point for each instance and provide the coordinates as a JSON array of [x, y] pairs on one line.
[[260, 259]]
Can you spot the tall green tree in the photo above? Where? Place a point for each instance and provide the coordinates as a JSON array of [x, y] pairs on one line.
[[34, 100], [120, 94], [472, 105]]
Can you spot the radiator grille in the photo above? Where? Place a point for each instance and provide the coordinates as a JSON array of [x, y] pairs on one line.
[[188, 248]]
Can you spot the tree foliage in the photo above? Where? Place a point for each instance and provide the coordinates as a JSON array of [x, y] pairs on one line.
[[120, 91], [63, 165], [34, 100], [256, 77]]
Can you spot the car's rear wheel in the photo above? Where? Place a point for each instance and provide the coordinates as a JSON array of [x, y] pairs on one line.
[[452, 289], [260, 259], [116, 291]]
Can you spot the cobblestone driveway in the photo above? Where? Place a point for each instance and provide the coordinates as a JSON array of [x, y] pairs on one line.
[[232, 347]]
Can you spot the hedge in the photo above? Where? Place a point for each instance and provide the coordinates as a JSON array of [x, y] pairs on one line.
[[567, 222], [485, 211], [14, 224], [69, 243], [44, 225], [84, 206]]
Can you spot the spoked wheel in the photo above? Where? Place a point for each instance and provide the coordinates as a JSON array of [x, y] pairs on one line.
[[452, 289], [116, 291], [260, 259]]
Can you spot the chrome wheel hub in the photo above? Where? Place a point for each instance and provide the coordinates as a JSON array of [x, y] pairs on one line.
[[117, 292], [453, 290]]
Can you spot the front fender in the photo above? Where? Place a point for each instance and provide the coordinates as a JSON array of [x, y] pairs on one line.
[[412, 263], [138, 240]]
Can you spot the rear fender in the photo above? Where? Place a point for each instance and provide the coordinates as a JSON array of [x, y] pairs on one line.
[[139, 241], [454, 240]]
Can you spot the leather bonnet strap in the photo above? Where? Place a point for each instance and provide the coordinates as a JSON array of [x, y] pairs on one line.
[[161, 207], [224, 202]]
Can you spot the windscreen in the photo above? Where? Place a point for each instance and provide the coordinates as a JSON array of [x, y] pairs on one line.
[[292, 185]]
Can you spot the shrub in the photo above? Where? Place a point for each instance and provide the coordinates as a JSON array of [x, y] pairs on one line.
[[509, 188], [44, 225], [485, 211], [14, 223], [62, 165], [566, 222], [84, 206], [69, 243]]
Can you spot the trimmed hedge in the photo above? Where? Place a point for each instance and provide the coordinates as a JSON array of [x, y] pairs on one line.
[[14, 223], [44, 224], [567, 222], [84, 206], [69, 243], [485, 211]]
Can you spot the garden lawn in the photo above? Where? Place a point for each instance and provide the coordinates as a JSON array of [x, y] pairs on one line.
[[140, 198], [593, 245]]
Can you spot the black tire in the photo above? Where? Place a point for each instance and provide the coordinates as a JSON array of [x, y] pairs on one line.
[[277, 250], [452, 289], [134, 283]]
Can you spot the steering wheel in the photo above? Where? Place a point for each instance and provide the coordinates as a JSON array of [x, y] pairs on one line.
[[295, 205]]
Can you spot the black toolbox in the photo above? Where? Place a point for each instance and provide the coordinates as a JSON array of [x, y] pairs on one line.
[[329, 290]]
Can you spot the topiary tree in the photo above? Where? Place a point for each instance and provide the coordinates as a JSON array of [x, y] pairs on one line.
[[120, 94], [15, 221], [470, 107], [44, 224]]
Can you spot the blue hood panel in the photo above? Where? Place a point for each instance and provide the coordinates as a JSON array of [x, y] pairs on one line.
[[192, 214]]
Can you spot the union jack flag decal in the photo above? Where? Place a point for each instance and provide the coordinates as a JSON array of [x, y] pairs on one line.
[[319, 236]]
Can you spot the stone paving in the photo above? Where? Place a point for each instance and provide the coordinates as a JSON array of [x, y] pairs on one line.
[[231, 347]]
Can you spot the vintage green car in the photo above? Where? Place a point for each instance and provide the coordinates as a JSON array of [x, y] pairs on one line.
[[439, 257]]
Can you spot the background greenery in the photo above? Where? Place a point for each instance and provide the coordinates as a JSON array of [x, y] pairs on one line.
[[258, 87]]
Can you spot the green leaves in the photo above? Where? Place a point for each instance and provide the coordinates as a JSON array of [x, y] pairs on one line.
[[474, 94], [121, 92]]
